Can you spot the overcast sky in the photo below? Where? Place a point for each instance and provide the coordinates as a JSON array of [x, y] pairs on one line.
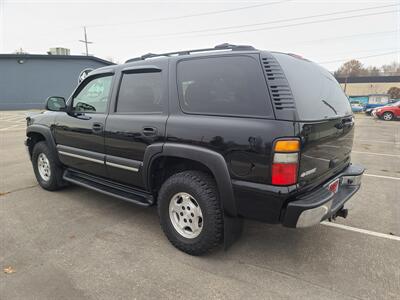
[[124, 29]]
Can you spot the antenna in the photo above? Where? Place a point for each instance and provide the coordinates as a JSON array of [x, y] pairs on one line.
[[85, 41]]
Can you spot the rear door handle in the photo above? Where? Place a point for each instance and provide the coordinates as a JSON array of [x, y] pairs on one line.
[[149, 131], [97, 126]]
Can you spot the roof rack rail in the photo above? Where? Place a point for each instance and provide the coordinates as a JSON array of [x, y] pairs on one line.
[[224, 46]]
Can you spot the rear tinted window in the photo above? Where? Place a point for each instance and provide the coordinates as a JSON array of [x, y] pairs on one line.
[[140, 93], [316, 92], [223, 86]]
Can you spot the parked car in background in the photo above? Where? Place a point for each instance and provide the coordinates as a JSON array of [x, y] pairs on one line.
[[369, 111], [389, 112], [373, 112], [356, 106]]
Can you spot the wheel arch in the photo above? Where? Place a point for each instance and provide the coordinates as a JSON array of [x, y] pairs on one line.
[[37, 133], [211, 160]]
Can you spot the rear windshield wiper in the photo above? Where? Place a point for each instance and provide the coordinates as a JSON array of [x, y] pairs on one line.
[[330, 106]]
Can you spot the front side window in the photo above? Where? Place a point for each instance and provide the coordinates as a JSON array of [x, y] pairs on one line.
[[140, 93], [93, 97], [231, 85]]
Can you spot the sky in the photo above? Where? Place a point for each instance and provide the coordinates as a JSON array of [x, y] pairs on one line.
[[328, 32]]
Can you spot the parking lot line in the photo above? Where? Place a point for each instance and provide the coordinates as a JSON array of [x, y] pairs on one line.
[[374, 153], [374, 141], [364, 231], [381, 176]]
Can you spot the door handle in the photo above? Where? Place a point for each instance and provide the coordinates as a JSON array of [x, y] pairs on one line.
[[149, 131], [97, 126]]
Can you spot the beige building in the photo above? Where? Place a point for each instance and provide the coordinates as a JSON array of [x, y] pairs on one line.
[[367, 85]]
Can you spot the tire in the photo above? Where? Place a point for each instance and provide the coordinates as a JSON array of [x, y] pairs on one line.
[[193, 187], [387, 116], [44, 159]]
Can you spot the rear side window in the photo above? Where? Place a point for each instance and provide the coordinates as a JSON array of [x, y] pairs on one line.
[[140, 93], [223, 86]]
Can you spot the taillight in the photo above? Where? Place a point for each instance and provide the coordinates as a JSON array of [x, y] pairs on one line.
[[285, 162]]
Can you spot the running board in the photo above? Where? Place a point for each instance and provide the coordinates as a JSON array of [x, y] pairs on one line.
[[108, 187]]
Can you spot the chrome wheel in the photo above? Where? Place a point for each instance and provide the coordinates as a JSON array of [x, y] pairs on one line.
[[387, 116], [43, 165], [186, 215]]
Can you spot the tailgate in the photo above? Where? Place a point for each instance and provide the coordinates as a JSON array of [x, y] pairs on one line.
[[326, 148]]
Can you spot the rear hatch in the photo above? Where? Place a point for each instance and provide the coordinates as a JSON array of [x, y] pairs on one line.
[[326, 148], [322, 117]]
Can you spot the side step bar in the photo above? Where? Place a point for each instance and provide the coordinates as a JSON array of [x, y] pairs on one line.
[[108, 187]]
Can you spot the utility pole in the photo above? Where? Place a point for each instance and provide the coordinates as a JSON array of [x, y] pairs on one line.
[[398, 32], [85, 41]]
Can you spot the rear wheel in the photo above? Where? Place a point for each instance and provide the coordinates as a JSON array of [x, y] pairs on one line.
[[190, 212], [48, 173], [388, 116]]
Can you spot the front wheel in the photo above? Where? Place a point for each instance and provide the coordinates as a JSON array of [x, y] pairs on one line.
[[190, 212], [388, 116], [48, 173]]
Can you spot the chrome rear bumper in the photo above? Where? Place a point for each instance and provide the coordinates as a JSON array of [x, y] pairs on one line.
[[321, 204]]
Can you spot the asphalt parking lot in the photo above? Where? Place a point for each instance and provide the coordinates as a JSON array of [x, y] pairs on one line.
[[78, 244]]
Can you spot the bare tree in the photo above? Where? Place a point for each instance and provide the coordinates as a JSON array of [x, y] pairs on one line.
[[391, 69], [20, 51], [373, 71], [351, 68]]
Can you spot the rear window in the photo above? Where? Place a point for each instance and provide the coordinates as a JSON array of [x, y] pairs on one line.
[[223, 86], [316, 92]]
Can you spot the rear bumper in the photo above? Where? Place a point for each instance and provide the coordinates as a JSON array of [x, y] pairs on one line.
[[321, 204]]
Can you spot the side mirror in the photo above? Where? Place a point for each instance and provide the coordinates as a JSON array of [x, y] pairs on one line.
[[55, 103]]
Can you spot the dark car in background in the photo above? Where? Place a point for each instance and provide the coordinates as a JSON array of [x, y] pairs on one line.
[[210, 136]]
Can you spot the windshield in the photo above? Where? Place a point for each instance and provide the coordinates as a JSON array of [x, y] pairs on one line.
[[317, 94]]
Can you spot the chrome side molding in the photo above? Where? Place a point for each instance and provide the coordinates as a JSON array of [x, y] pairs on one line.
[[81, 157], [122, 166]]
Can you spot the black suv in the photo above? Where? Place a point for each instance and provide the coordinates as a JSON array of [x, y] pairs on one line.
[[210, 136]]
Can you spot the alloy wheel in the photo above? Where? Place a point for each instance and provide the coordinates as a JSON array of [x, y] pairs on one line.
[[186, 215], [43, 165], [387, 116]]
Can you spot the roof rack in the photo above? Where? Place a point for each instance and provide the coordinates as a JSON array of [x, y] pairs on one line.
[[224, 46]]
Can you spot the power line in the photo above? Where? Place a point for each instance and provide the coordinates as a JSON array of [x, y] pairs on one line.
[[268, 28], [191, 15], [360, 57], [164, 19], [279, 21], [345, 37]]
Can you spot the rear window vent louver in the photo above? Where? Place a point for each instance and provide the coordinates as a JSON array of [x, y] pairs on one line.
[[278, 85]]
